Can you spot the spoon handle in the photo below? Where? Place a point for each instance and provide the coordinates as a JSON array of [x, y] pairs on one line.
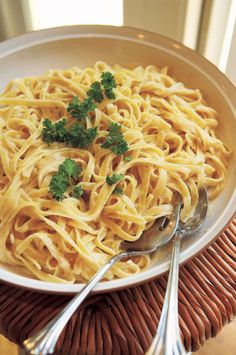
[[167, 340], [45, 340]]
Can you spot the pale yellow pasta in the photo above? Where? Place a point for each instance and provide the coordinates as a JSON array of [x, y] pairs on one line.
[[173, 149]]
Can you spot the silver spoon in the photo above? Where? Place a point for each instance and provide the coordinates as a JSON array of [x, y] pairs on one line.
[[167, 340], [158, 235]]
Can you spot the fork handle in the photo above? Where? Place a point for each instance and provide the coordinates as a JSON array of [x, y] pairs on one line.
[[167, 340], [45, 340]]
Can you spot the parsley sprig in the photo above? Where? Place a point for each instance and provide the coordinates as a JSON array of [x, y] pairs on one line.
[[95, 92], [106, 86], [80, 137], [118, 191], [108, 83], [113, 179], [115, 140], [76, 136], [80, 110], [54, 132], [77, 192], [127, 158], [69, 171]]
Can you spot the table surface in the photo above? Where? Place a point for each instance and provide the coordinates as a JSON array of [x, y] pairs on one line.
[[125, 322]]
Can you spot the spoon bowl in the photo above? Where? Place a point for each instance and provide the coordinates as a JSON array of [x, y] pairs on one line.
[[157, 236], [194, 223]]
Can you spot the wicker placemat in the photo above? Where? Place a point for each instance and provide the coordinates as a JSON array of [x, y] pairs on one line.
[[124, 322]]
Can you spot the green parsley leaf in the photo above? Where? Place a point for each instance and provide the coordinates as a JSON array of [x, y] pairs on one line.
[[118, 191], [80, 110], [108, 83], [113, 179], [108, 80], [115, 140], [127, 158], [77, 136], [120, 147], [54, 132], [70, 168], [95, 92], [110, 94], [58, 186], [77, 191], [80, 137], [62, 179]]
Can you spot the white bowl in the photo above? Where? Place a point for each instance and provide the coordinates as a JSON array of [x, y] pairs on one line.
[[36, 52]]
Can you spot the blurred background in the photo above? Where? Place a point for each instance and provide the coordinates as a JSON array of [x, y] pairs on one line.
[[208, 26]]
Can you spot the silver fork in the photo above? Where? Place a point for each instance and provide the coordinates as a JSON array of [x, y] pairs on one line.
[[167, 340], [158, 235]]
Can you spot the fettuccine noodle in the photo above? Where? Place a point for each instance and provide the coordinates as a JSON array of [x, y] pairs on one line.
[[173, 149]]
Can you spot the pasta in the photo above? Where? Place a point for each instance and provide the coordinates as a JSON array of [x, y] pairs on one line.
[[173, 149]]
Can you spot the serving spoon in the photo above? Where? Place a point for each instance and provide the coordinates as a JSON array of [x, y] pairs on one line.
[[157, 236], [167, 340]]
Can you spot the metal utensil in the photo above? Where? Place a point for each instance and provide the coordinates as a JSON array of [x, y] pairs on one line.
[[158, 235], [168, 340]]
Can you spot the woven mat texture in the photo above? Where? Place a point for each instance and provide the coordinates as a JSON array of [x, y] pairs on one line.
[[125, 322]]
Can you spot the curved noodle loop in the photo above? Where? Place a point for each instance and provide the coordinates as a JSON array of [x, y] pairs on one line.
[[172, 149]]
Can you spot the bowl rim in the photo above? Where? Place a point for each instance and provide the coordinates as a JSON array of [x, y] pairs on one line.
[[30, 39]]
